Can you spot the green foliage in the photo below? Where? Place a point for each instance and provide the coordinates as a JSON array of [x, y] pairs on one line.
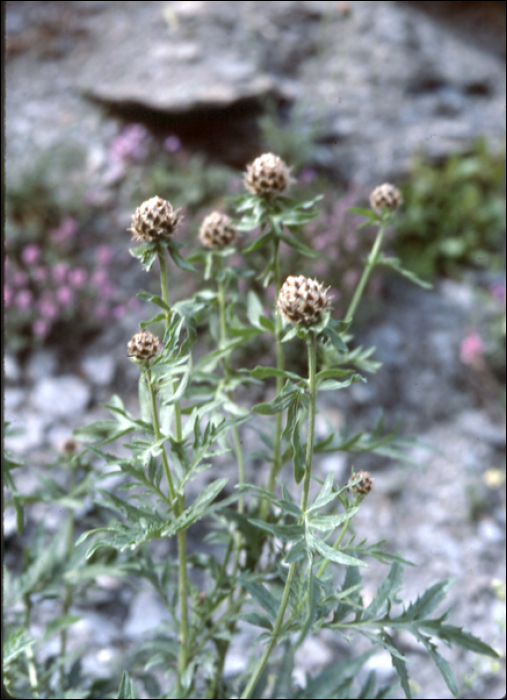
[[454, 213]]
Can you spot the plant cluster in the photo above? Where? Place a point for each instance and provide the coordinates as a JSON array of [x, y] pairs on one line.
[[287, 561], [454, 214], [45, 288]]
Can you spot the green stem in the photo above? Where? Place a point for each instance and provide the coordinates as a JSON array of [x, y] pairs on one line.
[[178, 503], [227, 373], [312, 367], [158, 435], [372, 261], [164, 284], [30, 656], [336, 545], [312, 385], [280, 365]]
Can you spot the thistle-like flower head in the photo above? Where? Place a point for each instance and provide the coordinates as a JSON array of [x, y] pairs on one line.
[[365, 485], [154, 220], [385, 196], [303, 300], [217, 231], [143, 346], [267, 176]]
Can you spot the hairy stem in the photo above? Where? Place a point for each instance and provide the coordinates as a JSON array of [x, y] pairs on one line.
[[280, 365], [372, 261], [312, 367], [178, 505], [30, 656]]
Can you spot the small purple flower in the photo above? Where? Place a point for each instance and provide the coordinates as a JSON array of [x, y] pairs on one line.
[[118, 311], [104, 255], [105, 290], [498, 290], [130, 144], [100, 277], [30, 254], [47, 308], [472, 349], [65, 296], [307, 175], [66, 231], [41, 328], [172, 143], [78, 277], [59, 272], [23, 299]]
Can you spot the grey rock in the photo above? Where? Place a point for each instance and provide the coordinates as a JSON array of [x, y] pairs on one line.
[[146, 613], [477, 424], [12, 372], [42, 363], [61, 397], [100, 369], [13, 398], [31, 427]]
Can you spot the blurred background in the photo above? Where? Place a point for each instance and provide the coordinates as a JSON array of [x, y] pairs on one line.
[[109, 103]]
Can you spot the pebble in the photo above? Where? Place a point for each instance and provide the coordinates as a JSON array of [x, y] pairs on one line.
[[12, 372], [99, 369], [146, 613], [61, 397], [42, 363]]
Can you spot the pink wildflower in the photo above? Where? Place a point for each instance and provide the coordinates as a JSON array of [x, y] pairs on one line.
[[30, 254], [59, 272], [40, 328], [307, 175], [65, 296], [472, 350], [23, 299], [100, 277], [106, 289], [498, 290], [130, 144], [78, 277], [172, 143], [118, 311], [47, 308], [66, 230], [103, 255]]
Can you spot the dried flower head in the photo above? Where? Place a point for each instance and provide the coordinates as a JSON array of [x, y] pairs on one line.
[[217, 231], [267, 176], [302, 300], [143, 346], [155, 219], [385, 196], [70, 446], [364, 486]]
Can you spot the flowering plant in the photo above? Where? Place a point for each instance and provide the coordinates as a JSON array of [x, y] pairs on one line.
[[280, 557]]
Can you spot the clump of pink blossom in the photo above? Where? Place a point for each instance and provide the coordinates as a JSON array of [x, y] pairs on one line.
[[65, 231], [31, 254], [472, 350], [172, 144], [131, 144]]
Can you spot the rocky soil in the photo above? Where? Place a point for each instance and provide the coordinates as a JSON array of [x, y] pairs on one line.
[[384, 80]]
